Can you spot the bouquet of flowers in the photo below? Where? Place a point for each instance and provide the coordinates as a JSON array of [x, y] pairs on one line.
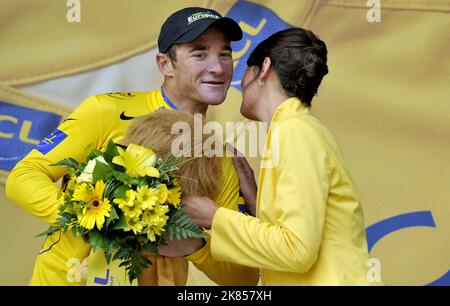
[[124, 201]]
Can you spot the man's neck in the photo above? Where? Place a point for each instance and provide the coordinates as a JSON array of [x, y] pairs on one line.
[[182, 103]]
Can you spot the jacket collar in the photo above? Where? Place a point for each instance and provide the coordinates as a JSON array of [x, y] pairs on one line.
[[288, 108]]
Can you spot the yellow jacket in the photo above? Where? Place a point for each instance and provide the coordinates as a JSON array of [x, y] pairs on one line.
[[309, 228]]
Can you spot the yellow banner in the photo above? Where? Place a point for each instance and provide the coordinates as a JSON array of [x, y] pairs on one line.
[[386, 98]]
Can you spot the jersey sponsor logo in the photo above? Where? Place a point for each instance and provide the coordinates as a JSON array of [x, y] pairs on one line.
[[122, 95], [125, 117], [21, 129], [51, 141], [257, 23]]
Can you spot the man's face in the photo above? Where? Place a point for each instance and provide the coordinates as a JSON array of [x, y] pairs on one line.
[[204, 68]]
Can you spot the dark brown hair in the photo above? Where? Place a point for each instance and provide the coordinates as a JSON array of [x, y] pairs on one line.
[[298, 57]]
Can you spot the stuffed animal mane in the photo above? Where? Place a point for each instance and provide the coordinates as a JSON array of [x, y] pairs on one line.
[[154, 131]]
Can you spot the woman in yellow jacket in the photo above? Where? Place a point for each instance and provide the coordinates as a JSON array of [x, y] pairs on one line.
[[309, 228]]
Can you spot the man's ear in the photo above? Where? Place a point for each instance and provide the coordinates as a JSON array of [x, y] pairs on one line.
[[165, 65]]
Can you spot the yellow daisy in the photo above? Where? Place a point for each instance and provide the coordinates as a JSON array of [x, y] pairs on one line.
[[174, 196], [72, 184], [96, 208], [128, 201], [137, 160], [163, 193], [147, 196], [135, 225], [134, 211], [155, 220]]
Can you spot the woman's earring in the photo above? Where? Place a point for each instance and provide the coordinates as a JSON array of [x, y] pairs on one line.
[[261, 83]]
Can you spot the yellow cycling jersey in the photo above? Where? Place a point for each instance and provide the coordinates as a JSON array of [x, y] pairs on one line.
[[310, 225], [92, 124]]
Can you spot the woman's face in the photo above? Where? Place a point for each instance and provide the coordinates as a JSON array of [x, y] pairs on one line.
[[250, 93]]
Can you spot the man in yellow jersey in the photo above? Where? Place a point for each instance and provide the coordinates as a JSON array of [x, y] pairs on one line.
[[195, 59]]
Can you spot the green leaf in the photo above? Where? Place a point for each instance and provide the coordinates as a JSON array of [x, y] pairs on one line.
[[70, 163], [101, 172], [171, 230], [181, 225], [121, 224], [112, 216], [60, 194], [108, 247], [121, 176], [110, 188], [135, 266], [111, 151], [50, 231], [151, 248], [94, 153], [122, 253], [120, 192], [135, 181], [96, 239], [74, 231]]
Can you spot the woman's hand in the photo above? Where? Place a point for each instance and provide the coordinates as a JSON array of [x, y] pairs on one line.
[[200, 209], [247, 183], [180, 248]]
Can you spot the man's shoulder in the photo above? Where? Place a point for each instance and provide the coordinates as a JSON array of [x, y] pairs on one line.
[[133, 102], [123, 96]]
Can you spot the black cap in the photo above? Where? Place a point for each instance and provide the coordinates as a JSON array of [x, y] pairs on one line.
[[189, 23]]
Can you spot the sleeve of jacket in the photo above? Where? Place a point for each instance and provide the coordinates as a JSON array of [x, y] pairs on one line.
[[225, 273], [31, 183], [291, 242]]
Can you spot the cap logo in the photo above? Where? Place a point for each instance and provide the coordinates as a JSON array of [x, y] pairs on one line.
[[201, 15]]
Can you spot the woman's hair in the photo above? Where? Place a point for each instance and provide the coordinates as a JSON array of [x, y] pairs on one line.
[[298, 57], [201, 176]]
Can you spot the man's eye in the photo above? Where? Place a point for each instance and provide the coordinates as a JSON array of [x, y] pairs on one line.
[[225, 55], [199, 55]]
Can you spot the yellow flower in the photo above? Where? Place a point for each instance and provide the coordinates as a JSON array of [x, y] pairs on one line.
[[72, 184], [137, 160], [147, 196], [155, 220], [75, 207], [163, 193], [130, 196], [83, 192], [174, 196], [134, 211], [96, 208], [135, 225], [130, 205]]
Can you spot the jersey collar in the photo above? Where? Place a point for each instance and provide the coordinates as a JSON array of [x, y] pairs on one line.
[[167, 100]]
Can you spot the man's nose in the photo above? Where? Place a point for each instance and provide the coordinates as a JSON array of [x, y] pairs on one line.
[[215, 65]]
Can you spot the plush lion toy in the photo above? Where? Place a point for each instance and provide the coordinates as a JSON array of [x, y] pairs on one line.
[[204, 175]]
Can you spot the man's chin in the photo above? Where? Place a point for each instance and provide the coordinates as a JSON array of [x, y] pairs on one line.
[[214, 99]]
